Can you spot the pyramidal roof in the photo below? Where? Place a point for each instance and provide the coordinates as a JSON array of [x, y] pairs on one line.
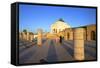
[[61, 22]]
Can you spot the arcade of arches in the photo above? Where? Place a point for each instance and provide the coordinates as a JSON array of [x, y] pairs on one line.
[[62, 29]]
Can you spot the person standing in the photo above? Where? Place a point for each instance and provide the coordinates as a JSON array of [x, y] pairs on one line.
[[60, 39]]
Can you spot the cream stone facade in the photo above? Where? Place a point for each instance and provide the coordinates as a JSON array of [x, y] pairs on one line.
[[28, 36], [89, 33], [58, 26]]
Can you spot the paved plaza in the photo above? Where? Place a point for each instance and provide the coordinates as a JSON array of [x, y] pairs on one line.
[[50, 51]]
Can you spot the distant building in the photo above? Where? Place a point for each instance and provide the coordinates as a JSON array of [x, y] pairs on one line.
[[65, 30], [58, 26]]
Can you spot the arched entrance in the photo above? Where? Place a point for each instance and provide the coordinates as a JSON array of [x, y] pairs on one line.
[[68, 36], [93, 35], [53, 30]]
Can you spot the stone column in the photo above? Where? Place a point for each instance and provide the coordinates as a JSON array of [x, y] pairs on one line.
[[39, 38], [79, 44], [27, 36], [31, 37], [23, 36]]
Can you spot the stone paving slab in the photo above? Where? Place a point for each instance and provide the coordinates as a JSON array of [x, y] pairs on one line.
[[51, 51]]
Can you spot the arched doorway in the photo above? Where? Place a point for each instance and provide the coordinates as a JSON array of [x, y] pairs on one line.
[[68, 36], [53, 30], [92, 35]]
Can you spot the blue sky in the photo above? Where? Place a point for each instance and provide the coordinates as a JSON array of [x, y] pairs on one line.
[[32, 17]]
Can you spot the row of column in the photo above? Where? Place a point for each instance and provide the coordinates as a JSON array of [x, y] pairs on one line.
[[26, 36], [55, 30], [29, 37], [39, 38], [78, 42]]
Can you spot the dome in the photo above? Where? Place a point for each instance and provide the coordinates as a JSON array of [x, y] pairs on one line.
[[59, 25]]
